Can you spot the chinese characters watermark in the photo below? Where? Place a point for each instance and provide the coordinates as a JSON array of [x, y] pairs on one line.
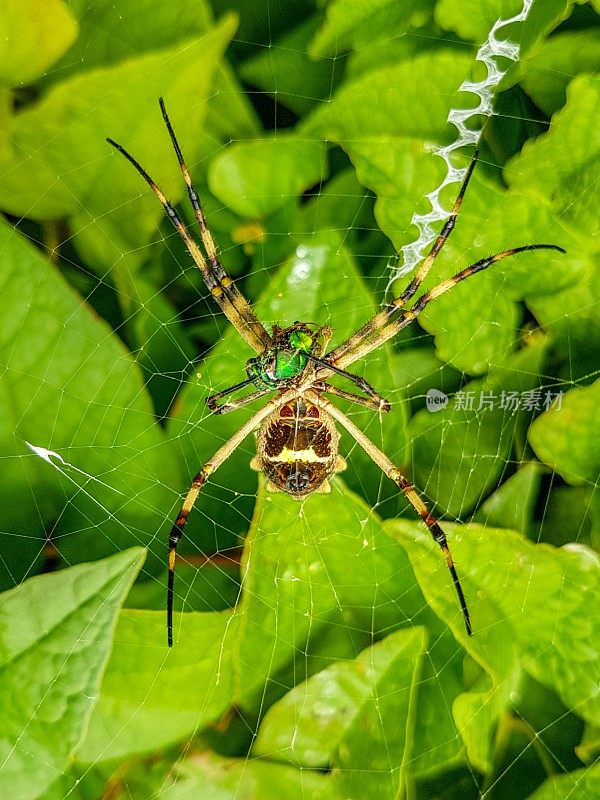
[[489, 400]]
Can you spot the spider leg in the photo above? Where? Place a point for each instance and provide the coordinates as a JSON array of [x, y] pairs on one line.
[[190, 499], [382, 317], [378, 336], [381, 405], [233, 405], [254, 333], [378, 401], [211, 401], [233, 294], [386, 466]]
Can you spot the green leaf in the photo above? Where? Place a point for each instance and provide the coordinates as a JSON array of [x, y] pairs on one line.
[[299, 581], [460, 452], [568, 516], [547, 72], [32, 38], [513, 504], [287, 73], [478, 322], [390, 149], [350, 21], [573, 151], [339, 205], [256, 178], [53, 656], [101, 43], [475, 324], [351, 576], [334, 577], [588, 748], [531, 605], [581, 784], [69, 386], [570, 187], [474, 18], [380, 769], [575, 330], [387, 102], [165, 353], [565, 436], [152, 696], [215, 778], [321, 723], [59, 143]]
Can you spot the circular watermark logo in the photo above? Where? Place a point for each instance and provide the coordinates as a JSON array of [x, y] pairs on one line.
[[435, 400]]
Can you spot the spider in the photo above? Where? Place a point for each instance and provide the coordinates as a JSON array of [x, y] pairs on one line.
[[297, 439]]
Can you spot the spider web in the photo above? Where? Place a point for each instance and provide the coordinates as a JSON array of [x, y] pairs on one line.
[[322, 652]]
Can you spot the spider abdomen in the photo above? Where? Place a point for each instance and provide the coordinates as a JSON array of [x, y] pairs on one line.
[[297, 449]]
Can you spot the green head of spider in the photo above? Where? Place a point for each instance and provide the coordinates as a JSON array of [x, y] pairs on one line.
[[285, 359]]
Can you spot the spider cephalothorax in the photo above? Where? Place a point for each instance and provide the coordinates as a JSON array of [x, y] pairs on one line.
[[297, 440], [286, 357], [280, 364]]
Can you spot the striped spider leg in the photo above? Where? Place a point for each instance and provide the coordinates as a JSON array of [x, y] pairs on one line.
[[231, 301], [405, 486], [198, 482], [386, 323]]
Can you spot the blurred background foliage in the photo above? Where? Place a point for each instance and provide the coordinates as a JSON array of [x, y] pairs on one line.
[[323, 653]]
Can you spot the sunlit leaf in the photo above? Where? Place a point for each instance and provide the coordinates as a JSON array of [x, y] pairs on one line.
[[71, 388], [53, 656], [255, 178], [152, 696], [565, 436], [322, 722], [27, 49]]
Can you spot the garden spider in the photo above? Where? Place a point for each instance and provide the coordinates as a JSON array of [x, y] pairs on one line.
[[297, 441]]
